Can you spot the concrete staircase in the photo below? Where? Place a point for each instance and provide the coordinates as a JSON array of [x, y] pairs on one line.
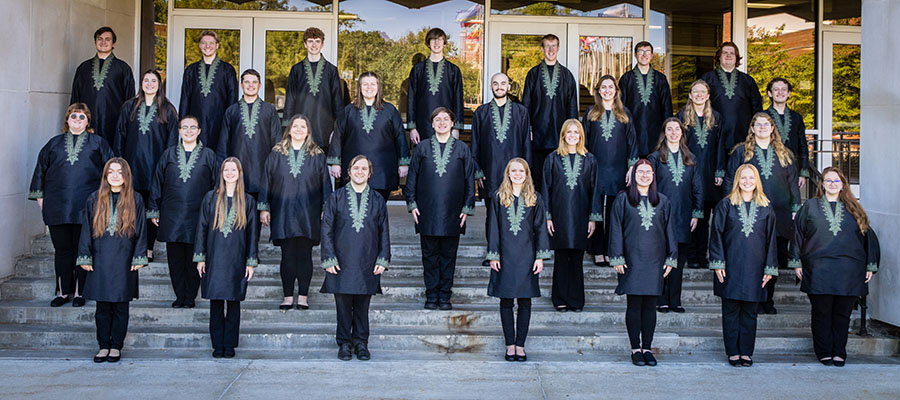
[[399, 324]]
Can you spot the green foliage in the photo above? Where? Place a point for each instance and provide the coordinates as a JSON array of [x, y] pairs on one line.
[[768, 59], [845, 92]]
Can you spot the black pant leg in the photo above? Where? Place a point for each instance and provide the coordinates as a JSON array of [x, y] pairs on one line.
[[672, 284], [119, 326], [179, 258], [508, 321], [386, 194], [343, 304], [232, 324], [289, 266], [305, 271], [448, 249], [840, 324], [599, 241], [700, 237], [731, 326], [65, 248], [821, 307], [633, 320], [217, 324], [523, 320], [568, 278], [430, 266], [782, 244], [648, 321], [152, 229], [747, 336], [360, 328], [538, 156], [559, 267], [103, 316]]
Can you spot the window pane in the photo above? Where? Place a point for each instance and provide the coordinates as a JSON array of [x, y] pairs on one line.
[[160, 31], [603, 55], [518, 53], [781, 43], [573, 8], [262, 5], [229, 46], [842, 12], [845, 109], [283, 49]]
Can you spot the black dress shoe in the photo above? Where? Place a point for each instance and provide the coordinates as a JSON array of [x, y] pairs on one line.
[[79, 302], [522, 358], [115, 358], [59, 301], [678, 309], [218, 353], [362, 352], [840, 363], [285, 307], [345, 353], [445, 306], [189, 303], [826, 361], [735, 363], [662, 309], [772, 310], [302, 306], [431, 306], [509, 357], [98, 359], [649, 359], [178, 303], [229, 353], [573, 309], [638, 359], [746, 362], [562, 308]]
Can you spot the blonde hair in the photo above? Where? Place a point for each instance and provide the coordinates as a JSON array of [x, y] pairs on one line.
[[563, 149], [758, 195], [690, 115], [785, 156], [505, 192], [240, 217], [309, 145], [618, 108]]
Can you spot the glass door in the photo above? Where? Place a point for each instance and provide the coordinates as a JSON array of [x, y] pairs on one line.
[[515, 47], [598, 50], [840, 104]]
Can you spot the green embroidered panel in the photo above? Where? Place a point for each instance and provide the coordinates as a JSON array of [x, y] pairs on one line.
[[252, 262], [145, 117], [835, 217], [766, 160], [313, 78], [250, 118], [728, 84], [607, 123], [36, 194], [501, 125], [228, 224], [492, 256], [783, 126], [515, 213], [697, 214], [644, 88], [296, 158], [676, 167], [74, 146], [185, 164], [615, 261], [329, 262], [411, 206], [383, 262], [358, 211], [550, 83], [748, 217], [794, 263], [367, 115], [671, 262], [99, 74], [702, 133], [770, 270], [572, 170], [84, 260], [199, 257], [140, 260], [206, 81], [872, 267], [716, 264], [543, 255], [441, 158], [596, 217], [434, 78], [468, 210], [647, 212], [113, 222]]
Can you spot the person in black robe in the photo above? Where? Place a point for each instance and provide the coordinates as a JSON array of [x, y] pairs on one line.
[[226, 250], [371, 127], [643, 249], [789, 124], [517, 247], [356, 250], [434, 82], [296, 183], [765, 150], [551, 97], [834, 253], [610, 135], [440, 194], [250, 128], [734, 94], [314, 90], [184, 174], [702, 129], [209, 86], [148, 125], [103, 83], [678, 177], [572, 201], [112, 247], [68, 168], [646, 93]]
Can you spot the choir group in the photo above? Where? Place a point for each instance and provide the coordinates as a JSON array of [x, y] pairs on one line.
[[644, 192]]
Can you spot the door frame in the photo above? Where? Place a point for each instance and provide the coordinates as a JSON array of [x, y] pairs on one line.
[[636, 32], [263, 24]]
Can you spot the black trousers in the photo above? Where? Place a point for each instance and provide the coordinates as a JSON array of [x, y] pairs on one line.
[[831, 323], [599, 241], [672, 284], [352, 318], [568, 278], [112, 324], [739, 326], [538, 156], [782, 244], [386, 194], [640, 320], [696, 252], [69, 277], [296, 265], [183, 270], [515, 329], [439, 265], [152, 230], [224, 326]]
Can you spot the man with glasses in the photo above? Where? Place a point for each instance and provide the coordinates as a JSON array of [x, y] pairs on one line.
[[103, 82], [789, 123], [645, 92], [734, 94], [208, 87]]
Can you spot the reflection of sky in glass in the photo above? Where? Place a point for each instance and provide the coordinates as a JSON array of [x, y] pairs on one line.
[[658, 30], [790, 22]]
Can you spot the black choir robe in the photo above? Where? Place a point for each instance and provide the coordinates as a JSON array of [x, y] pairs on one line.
[[356, 238], [228, 251], [433, 85], [104, 88], [551, 97], [650, 112], [68, 170], [384, 143], [497, 137], [441, 184], [683, 186], [315, 94], [706, 146], [180, 181], [742, 242], [571, 198], [208, 104], [779, 184], [294, 190], [792, 129], [737, 109], [142, 143], [615, 151], [112, 256], [517, 236], [642, 238], [832, 251], [252, 148]]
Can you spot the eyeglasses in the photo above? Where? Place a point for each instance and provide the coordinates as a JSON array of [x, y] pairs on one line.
[[832, 181], [644, 173], [645, 51], [208, 43], [189, 127], [77, 116], [762, 125], [699, 92]]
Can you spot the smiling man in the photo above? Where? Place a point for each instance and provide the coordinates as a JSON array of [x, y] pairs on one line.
[[645, 91], [208, 87], [435, 82], [734, 94]]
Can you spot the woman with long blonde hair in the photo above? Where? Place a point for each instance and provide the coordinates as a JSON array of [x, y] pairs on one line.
[[744, 256], [518, 244], [225, 251], [112, 247], [780, 175], [834, 253], [573, 204]]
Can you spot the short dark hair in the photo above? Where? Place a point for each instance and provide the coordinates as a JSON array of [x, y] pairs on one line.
[[435, 33], [250, 71], [439, 110], [634, 197], [209, 33], [737, 54], [549, 37], [642, 43], [102, 30], [779, 79], [313, 33]]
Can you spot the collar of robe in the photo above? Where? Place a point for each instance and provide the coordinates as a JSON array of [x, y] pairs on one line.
[[113, 222], [206, 79], [296, 158], [250, 116], [766, 160], [74, 146], [515, 213], [783, 125], [228, 224], [434, 77], [550, 83], [834, 217], [607, 123], [701, 132], [313, 79], [185, 164], [646, 211], [572, 169], [441, 158], [367, 115], [645, 88], [676, 166], [748, 216], [501, 125], [728, 82], [358, 208], [98, 73], [146, 114]]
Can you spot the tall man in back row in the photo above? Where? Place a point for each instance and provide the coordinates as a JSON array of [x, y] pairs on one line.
[[209, 86], [103, 82], [551, 97], [433, 83], [645, 91]]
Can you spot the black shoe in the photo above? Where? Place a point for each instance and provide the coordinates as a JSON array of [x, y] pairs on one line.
[[746, 362], [285, 307], [302, 306], [840, 363], [573, 309], [678, 309], [522, 358], [562, 308], [79, 302], [178, 303], [362, 352], [663, 309], [229, 353], [693, 265], [189, 303], [445, 306], [772, 311], [509, 357], [114, 359], [735, 363], [431, 305], [98, 359], [638, 359], [345, 353], [218, 353], [59, 301], [649, 359]]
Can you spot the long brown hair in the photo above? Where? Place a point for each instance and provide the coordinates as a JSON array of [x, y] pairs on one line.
[[505, 192], [758, 195], [737, 54], [563, 149], [663, 149], [80, 107], [690, 115], [240, 217], [309, 145], [618, 108], [359, 102], [846, 196], [785, 156], [162, 103], [125, 209]]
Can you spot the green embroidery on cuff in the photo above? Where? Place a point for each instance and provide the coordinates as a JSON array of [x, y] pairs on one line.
[[152, 214], [411, 125], [796, 207], [262, 206], [468, 210], [84, 260], [872, 267], [383, 262], [492, 256], [671, 262], [36, 194], [459, 126], [404, 161], [479, 174], [716, 264], [252, 261], [770, 270], [548, 216], [719, 173], [543, 255], [804, 173], [329, 262], [632, 161], [615, 261], [199, 257], [411, 206], [140, 260], [333, 161], [596, 217], [697, 214], [794, 263]]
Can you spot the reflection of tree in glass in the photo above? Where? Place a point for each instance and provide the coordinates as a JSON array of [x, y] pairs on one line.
[[229, 47], [768, 58], [845, 89], [283, 50], [518, 54], [262, 5]]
